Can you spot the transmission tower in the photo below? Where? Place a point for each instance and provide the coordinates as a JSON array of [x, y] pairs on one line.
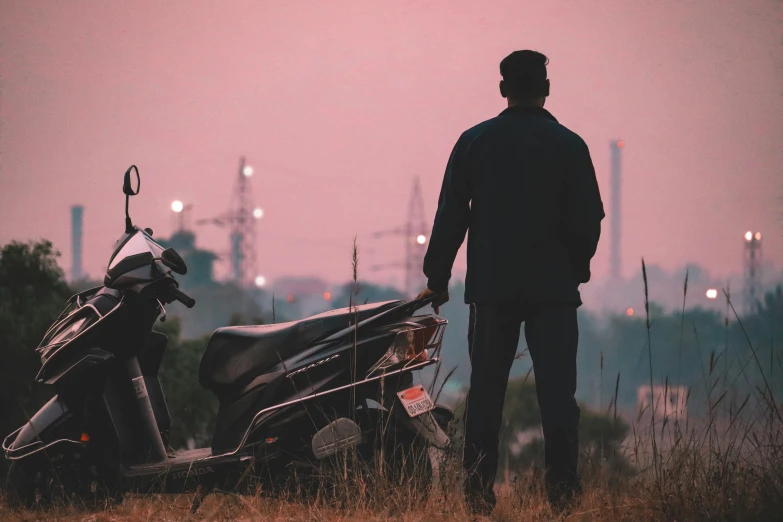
[[241, 220], [415, 234], [415, 241], [752, 271]]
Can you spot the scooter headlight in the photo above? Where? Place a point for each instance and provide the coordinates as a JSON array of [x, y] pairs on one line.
[[68, 329]]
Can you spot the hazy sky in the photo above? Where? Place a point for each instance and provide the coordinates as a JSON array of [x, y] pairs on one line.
[[339, 104]]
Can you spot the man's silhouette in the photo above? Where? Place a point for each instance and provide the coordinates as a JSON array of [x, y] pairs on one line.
[[524, 189]]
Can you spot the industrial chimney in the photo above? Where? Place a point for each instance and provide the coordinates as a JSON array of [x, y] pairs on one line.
[[615, 264], [77, 213]]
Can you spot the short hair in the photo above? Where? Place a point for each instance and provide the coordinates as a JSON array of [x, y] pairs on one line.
[[524, 73]]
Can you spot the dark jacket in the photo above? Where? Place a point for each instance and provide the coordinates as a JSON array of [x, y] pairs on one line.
[[525, 187]]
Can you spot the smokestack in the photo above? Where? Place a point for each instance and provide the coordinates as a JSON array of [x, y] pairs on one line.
[[615, 264], [77, 213]]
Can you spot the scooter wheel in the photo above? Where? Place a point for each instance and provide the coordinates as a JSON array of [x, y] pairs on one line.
[[38, 483], [20, 489]]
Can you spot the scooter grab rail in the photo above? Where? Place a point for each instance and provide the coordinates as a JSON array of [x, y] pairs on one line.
[[409, 307]]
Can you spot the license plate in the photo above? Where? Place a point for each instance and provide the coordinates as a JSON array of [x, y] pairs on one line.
[[416, 400]]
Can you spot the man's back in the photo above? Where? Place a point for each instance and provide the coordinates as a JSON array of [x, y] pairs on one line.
[[524, 187]]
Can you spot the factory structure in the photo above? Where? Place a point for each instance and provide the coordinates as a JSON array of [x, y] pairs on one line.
[[241, 219], [615, 210]]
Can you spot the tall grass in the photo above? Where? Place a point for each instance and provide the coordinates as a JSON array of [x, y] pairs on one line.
[[725, 465]]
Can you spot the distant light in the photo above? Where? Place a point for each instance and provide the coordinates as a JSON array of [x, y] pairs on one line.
[[327, 296], [177, 206], [290, 298], [260, 281], [258, 213], [758, 236], [629, 312], [620, 144], [748, 235], [421, 239], [247, 171], [712, 293]]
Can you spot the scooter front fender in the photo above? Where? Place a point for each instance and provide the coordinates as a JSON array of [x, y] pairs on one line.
[[52, 425]]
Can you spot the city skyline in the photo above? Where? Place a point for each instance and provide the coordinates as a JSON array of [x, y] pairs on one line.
[[338, 107]]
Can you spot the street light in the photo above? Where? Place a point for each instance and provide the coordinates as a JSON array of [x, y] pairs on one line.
[[247, 171], [177, 206], [260, 281], [421, 239], [748, 236], [758, 236], [258, 213]]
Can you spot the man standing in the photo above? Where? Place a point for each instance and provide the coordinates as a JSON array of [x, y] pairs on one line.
[[524, 188]]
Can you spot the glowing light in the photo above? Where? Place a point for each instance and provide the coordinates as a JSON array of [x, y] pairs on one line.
[[712, 293], [85, 437], [327, 296], [629, 312], [290, 298], [260, 281], [258, 213], [247, 171], [421, 239], [758, 236], [748, 235], [177, 206], [620, 144]]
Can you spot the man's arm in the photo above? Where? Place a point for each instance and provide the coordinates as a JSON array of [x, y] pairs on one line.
[[451, 221], [584, 211]]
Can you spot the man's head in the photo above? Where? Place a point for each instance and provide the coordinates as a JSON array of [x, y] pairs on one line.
[[524, 78]]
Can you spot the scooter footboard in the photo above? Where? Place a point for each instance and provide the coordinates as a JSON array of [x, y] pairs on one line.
[[52, 425]]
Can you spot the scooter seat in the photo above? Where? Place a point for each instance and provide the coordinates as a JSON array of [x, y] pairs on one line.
[[236, 355]]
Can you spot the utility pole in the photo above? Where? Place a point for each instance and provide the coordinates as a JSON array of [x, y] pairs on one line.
[[752, 271]]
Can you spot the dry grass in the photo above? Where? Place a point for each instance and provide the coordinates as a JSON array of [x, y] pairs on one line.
[[727, 466], [694, 484]]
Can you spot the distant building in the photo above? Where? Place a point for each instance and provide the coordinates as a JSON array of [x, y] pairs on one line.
[[200, 262]]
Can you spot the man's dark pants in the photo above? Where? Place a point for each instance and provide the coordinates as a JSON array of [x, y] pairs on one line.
[[552, 334]]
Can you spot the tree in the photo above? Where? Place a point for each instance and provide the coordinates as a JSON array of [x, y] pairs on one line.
[[32, 294]]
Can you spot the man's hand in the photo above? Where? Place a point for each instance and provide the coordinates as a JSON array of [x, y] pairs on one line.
[[442, 297]]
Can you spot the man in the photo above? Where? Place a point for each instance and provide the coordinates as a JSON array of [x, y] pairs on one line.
[[524, 188]]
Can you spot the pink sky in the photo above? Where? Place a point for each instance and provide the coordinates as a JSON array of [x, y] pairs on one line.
[[339, 104]]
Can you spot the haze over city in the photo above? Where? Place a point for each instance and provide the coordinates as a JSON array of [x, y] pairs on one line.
[[338, 105]]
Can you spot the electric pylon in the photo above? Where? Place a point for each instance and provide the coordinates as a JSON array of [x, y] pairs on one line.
[[415, 235], [241, 219]]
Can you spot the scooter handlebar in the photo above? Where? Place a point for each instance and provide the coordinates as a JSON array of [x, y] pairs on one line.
[[182, 297]]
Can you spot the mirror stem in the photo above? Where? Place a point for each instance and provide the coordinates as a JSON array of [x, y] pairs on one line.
[[128, 223]]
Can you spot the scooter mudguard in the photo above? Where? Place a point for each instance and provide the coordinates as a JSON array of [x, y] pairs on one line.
[[426, 426], [53, 424]]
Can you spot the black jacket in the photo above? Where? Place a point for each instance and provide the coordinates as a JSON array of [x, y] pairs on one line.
[[525, 187]]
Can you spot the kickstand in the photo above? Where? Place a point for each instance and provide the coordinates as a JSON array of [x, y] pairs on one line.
[[201, 492]]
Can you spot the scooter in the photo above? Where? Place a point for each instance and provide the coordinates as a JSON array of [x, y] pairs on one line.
[[292, 393]]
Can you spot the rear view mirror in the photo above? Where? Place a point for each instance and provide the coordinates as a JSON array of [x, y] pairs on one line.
[[127, 189], [127, 186], [171, 259]]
